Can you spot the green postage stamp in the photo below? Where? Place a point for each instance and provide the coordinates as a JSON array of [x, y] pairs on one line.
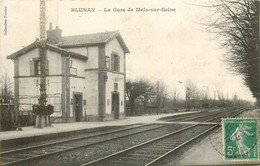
[[240, 139]]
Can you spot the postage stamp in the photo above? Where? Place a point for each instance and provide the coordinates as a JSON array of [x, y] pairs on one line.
[[240, 139]]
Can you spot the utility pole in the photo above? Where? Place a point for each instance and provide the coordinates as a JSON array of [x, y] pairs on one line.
[[41, 110], [188, 97], [157, 97], [174, 101]]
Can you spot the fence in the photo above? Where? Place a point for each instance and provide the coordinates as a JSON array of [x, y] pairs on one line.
[[26, 102], [24, 116]]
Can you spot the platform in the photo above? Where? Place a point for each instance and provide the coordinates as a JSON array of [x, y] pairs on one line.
[[58, 128]]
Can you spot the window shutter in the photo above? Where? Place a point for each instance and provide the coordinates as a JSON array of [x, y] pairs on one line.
[[47, 67], [32, 68], [112, 62], [118, 63], [109, 63]]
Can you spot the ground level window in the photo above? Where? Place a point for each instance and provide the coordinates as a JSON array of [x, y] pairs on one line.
[[115, 87]]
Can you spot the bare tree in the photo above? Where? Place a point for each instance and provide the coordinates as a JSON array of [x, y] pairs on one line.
[[236, 23], [220, 95], [192, 94], [175, 99], [162, 94], [205, 94], [6, 87]]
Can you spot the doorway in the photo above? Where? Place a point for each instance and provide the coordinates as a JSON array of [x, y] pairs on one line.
[[77, 106], [115, 105]]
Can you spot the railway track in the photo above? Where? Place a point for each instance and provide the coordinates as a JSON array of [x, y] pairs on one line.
[[23, 155], [153, 151]]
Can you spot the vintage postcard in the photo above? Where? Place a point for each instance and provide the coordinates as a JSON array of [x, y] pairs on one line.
[[136, 82]]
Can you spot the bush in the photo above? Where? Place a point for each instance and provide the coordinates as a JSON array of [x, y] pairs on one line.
[[6, 117]]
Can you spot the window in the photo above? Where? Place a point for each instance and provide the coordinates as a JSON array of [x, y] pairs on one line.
[[116, 87], [70, 63], [37, 67], [107, 62], [115, 62]]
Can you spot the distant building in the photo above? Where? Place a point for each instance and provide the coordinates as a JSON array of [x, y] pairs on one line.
[[85, 80]]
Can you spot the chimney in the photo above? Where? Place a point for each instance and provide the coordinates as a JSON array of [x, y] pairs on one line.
[[54, 35]]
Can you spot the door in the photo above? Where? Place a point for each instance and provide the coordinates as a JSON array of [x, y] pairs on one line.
[[115, 105], [78, 107]]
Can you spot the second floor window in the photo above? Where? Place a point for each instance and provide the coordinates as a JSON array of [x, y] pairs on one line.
[[107, 62], [37, 67], [115, 62]]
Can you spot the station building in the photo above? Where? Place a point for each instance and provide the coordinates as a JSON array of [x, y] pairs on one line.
[[85, 76]]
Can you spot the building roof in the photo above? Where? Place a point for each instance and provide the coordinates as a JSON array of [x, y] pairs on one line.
[[93, 39], [66, 52], [77, 41], [50, 47]]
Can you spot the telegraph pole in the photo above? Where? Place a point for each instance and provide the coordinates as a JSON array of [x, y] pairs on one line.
[[41, 110], [42, 99]]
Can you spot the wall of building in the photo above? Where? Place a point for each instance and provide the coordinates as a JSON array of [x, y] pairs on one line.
[[52, 57], [54, 82], [114, 78], [91, 79], [24, 62], [91, 94], [91, 53], [54, 62], [77, 83], [114, 46], [79, 64], [29, 89]]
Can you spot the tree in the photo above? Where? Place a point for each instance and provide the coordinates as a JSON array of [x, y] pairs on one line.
[[236, 23], [139, 88], [6, 119], [6, 88], [192, 94], [162, 94], [205, 94], [175, 99]]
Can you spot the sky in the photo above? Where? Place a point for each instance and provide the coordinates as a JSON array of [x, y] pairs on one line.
[[170, 47]]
